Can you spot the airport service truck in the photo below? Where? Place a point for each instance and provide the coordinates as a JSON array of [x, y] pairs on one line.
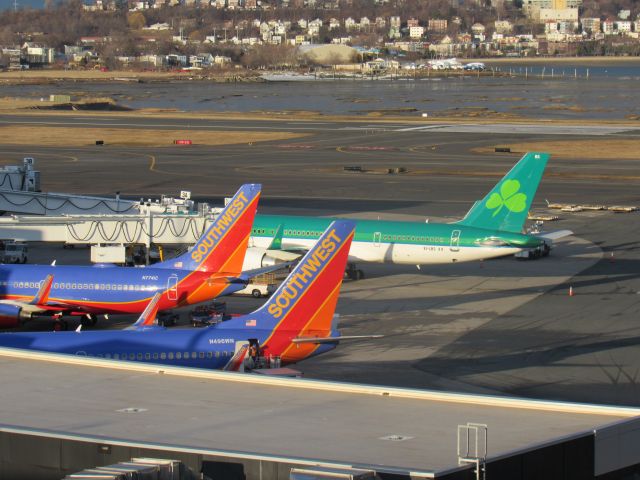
[[260, 286], [13, 252]]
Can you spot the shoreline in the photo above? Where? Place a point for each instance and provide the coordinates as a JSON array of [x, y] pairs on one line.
[[46, 76], [595, 61]]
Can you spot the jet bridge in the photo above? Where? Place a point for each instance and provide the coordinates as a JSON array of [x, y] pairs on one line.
[[143, 229], [20, 194], [39, 203], [108, 224]]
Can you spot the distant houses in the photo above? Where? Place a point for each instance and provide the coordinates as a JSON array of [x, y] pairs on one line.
[[188, 43]]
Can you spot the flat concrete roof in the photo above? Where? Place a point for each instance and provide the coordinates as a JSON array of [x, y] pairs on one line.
[[288, 418]]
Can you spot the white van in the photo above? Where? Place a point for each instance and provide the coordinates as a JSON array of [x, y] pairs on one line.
[[257, 290]]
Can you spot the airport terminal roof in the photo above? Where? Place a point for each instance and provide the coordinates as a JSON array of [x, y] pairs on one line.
[[388, 428]]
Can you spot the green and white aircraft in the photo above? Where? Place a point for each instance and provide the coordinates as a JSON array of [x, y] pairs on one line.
[[492, 228]]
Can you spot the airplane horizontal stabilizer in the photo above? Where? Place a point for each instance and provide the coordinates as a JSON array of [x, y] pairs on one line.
[[340, 338], [555, 235], [249, 274]]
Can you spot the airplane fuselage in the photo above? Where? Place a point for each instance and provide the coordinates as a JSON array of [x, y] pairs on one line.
[[408, 243], [208, 347], [110, 289]]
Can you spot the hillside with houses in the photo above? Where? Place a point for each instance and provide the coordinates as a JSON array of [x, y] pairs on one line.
[[268, 34]]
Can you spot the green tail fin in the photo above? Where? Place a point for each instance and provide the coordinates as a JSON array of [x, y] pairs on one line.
[[506, 206]]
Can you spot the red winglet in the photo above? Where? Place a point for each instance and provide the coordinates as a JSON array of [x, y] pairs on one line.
[[148, 316], [42, 296]]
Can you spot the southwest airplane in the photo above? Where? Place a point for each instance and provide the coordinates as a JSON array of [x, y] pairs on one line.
[[492, 228], [295, 323], [213, 267]]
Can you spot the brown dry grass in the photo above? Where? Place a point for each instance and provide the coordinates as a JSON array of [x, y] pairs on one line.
[[306, 116], [78, 137], [606, 149], [10, 103]]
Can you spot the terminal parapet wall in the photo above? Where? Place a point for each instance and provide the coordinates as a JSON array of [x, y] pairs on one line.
[[256, 427], [46, 455]]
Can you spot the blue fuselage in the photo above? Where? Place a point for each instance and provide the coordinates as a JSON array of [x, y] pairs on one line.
[[209, 347], [111, 289]]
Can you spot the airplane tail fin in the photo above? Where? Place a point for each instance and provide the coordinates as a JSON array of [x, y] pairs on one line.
[[506, 206], [223, 245], [304, 304]]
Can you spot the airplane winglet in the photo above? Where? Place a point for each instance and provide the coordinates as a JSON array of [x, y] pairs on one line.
[[148, 316], [236, 361], [276, 243], [42, 296]]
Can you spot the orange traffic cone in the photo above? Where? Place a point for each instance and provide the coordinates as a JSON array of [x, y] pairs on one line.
[[571, 291]]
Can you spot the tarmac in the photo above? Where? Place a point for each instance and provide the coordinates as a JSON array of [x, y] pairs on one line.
[[501, 327]]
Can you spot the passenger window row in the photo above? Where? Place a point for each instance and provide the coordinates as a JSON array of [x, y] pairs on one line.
[[299, 233], [162, 355], [85, 286], [411, 238]]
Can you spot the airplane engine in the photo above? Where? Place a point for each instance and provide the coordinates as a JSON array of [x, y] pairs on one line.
[[10, 315], [258, 258]]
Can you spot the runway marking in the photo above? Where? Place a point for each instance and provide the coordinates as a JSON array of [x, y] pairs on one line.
[[362, 129], [537, 129], [152, 162], [421, 128]]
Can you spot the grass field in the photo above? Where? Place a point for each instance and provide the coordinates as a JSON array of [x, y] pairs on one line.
[[78, 137], [614, 149]]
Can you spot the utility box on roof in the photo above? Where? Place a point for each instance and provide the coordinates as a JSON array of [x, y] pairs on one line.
[[320, 473]]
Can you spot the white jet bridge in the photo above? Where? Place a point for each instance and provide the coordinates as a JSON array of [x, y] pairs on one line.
[[165, 229], [20, 194], [107, 224], [108, 235]]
